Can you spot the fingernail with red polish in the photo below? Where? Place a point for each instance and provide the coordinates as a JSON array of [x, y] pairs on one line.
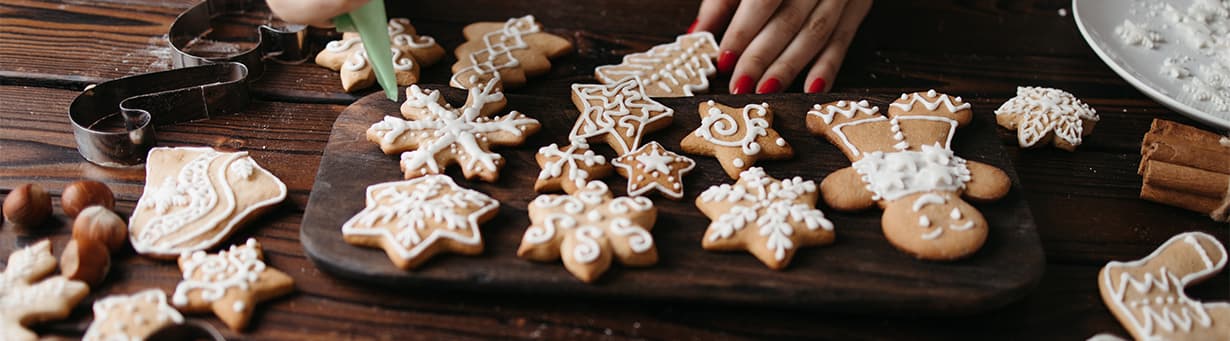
[[742, 86], [770, 86], [693, 27], [816, 86], [726, 61]]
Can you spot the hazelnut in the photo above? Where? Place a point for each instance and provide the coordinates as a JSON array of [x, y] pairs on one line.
[[27, 205], [100, 225], [85, 193], [85, 261]]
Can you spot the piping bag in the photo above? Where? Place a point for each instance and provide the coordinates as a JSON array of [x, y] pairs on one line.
[[371, 22]]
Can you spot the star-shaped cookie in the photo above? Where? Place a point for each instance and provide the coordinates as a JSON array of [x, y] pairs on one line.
[[652, 167], [568, 169], [131, 317], [736, 137], [620, 114], [412, 220], [28, 295], [410, 52], [229, 283]]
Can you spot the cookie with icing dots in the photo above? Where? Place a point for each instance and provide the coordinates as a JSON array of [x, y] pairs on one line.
[[619, 114], [229, 283], [411, 52], [569, 168], [676, 69], [1042, 115], [511, 51], [653, 167], [131, 317], [737, 137]]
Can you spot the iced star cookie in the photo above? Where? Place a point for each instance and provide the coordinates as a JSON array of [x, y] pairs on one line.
[[620, 114], [568, 169], [769, 218], [410, 53], [652, 167], [511, 51], [736, 137], [435, 135], [28, 295], [197, 197], [413, 220], [676, 69], [588, 229], [903, 161], [1041, 115], [131, 317], [229, 283], [1148, 298]]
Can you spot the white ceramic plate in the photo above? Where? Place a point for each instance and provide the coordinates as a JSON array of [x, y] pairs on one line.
[[1097, 20]]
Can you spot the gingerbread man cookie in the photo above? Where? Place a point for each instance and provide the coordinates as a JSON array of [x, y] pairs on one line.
[[1148, 298], [669, 70], [413, 220], [511, 51], [570, 168], [131, 317], [197, 197], [1041, 114], [229, 283], [28, 295], [652, 167], [618, 113], [737, 137], [904, 162], [588, 229], [769, 218], [437, 135], [410, 52]]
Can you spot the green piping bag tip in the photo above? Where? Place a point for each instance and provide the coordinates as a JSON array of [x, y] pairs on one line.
[[371, 22]]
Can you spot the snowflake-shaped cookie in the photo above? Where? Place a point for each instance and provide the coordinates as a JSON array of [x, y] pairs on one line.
[[413, 220], [769, 218], [409, 51], [28, 296], [737, 137], [569, 168], [652, 167], [438, 135], [229, 283], [588, 229], [131, 317], [1041, 114], [618, 113]]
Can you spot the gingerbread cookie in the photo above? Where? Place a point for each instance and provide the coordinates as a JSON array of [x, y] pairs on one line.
[[197, 197], [737, 137], [620, 114], [510, 51], [588, 229], [1042, 114], [131, 317], [28, 295], [769, 218], [570, 168], [1148, 298], [410, 53], [669, 70], [229, 283], [904, 162], [413, 220], [437, 135], [652, 167]]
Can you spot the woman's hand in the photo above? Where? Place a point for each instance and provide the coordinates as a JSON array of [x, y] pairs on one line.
[[312, 12], [769, 42]]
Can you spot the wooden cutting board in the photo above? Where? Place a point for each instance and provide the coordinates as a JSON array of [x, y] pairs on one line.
[[860, 272]]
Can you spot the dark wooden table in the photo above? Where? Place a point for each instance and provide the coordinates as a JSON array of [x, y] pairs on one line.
[[1085, 202]]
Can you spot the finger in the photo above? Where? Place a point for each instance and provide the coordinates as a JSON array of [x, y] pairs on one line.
[[747, 21], [820, 78], [804, 48], [315, 12], [768, 44], [712, 15]]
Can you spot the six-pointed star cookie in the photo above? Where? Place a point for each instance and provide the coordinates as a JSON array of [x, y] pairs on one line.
[[229, 283], [413, 220], [569, 168], [736, 137], [27, 295], [1041, 114], [589, 228], [410, 51], [769, 218], [131, 317], [654, 167], [619, 113]]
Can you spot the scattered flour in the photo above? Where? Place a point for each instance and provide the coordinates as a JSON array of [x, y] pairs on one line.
[[1201, 30]]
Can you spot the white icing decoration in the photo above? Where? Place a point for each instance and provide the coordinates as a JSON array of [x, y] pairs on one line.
[[238, 306], [659, 163], [890, 176], [127, 306], [399, 212], [583, 215], [236, 268], [498, 51], [955, 214], [923, 221], [573, 158], [399, 37], [847, 109], [931, 105], [721, 129], [623, 111], [967, 225], [895, 129], [677, 69], [928, 199], [1177, 311], [935, 233], [1044, 111], [738, 163], [775, 206]]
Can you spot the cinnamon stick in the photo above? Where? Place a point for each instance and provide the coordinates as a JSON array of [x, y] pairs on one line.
[[1215, 159], [1179, 199], [1180, 134], [1186, 179]]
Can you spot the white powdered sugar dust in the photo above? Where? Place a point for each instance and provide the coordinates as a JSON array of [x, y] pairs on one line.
[[1196, 39]]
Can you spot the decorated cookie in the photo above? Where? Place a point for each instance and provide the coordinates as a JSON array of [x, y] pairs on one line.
[[676, 69], [413, 220], [197, 197], [771, 219], [620, 114], [568, 169], [588, 229], [736, 137], [229, 283], [904, 162], [652, 167], [131, 317], [1040, 115], [28, 295], [437, 135], [1148, 298], [410, 53], [511, 51]]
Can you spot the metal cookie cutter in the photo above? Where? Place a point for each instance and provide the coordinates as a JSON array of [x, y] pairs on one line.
[[199, 87]]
